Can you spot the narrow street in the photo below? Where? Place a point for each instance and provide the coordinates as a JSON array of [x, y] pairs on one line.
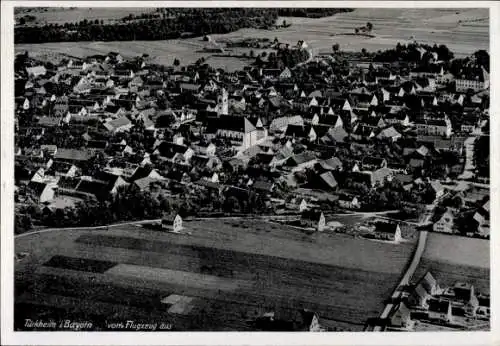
[[469, 168], [396, 295]]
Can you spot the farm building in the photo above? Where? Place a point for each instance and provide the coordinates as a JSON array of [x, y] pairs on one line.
[[284, 320], [172, 223], [401, 317], [36, 71], [424, 290], [285, 74], [314, 218], [463, 291], [388, 231], [440, 310], [462, 297], [303, 206], [348, 201], [42, 192], [445, 223], [419, 297]]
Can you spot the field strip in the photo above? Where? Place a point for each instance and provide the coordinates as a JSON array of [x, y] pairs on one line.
[[80, 264], [179, 277], [456, 250], [328, 303], [338, 255], [273, 272]]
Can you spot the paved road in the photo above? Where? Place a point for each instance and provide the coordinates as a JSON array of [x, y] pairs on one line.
[[422, 240], [469, 167]]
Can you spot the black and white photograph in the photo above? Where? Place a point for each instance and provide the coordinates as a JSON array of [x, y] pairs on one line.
[[248, 169]]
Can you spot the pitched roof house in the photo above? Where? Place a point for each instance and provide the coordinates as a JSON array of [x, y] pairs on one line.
[[314, 218], [172, 223], [388, 231]]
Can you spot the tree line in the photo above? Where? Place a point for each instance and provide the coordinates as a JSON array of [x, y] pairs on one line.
[[412, 53], [196, 22], [130, 203], [170, 23], [282, 58], [311, 12]]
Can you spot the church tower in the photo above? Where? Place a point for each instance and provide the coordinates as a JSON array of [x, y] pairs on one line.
[[223, 103]]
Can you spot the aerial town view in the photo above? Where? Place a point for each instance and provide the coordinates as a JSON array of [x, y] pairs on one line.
[[252, 169]]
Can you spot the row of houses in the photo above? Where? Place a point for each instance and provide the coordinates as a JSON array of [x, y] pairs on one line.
[[209, 129], [429, 302]]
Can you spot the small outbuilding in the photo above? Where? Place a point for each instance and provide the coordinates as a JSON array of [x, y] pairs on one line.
[[314, 218], [388, 231], [440, 310], [401, 317], [172, 223]]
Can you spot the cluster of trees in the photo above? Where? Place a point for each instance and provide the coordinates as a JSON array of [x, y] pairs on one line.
[[451, 201], [22, 223], [482, 156], [411, 53], [251, 205], [311, 12], [367, 28], [480, 58], [152, 15], [195, 21], [391, 195], [27, 19], [283, 58], [129, 203]]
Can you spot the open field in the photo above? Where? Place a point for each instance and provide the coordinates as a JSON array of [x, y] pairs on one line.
[[458, 250], [161, 52], [390, 26], [453, 258], [181, 278], [229, 271], [61, 15]]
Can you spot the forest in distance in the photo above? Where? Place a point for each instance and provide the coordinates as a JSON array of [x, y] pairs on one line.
[[163, 24]]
